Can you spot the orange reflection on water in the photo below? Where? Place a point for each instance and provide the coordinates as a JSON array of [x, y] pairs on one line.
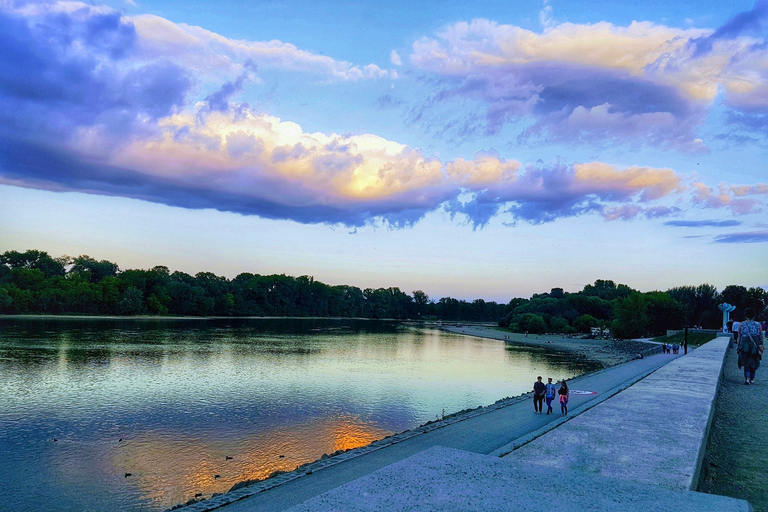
[[169, 468]]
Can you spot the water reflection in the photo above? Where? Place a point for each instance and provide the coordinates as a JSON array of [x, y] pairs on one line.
[[169, 401], [175, 465]]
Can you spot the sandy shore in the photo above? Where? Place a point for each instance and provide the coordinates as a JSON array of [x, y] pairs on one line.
[[607, 352]]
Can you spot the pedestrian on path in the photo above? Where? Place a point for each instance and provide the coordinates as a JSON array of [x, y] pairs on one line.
[[550, 395], [539, 389], [750, 347], [563, 392]]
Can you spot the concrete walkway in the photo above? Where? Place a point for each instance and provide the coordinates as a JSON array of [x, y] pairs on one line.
[[639, 450], [481, 432]]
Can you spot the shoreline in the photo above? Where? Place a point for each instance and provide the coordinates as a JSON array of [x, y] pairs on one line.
[[47, 316], [606, 352]]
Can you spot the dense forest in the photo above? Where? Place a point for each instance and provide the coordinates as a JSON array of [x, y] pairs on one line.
[[35, 282]]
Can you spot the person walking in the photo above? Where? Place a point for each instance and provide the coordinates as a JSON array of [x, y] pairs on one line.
[[539, 389], [550, 394], [751, 346], [735, 331], [563, 392]]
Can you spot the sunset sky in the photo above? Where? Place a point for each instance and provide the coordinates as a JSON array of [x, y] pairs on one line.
[[486, 149]]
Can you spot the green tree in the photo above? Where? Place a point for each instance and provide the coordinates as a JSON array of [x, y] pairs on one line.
[[420, 301], [558, 324], [532, 323], [585, 323], [664, 313], [92, 270], [132, 302], [631, 317], [33, 259], [607, 289]]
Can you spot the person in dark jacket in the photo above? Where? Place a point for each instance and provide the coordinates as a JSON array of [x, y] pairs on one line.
[[539, 390]]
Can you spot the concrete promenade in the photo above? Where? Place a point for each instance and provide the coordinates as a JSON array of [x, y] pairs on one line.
[[634, 449], [490, 430]]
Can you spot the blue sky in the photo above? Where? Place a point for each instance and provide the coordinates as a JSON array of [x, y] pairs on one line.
[[489, 150]]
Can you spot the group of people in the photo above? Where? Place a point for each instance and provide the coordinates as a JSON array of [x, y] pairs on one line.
[[548, 392], [749, 339], [668, 348]]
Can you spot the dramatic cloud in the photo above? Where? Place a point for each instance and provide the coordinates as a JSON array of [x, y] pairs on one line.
[[93, 101], [644, 84]]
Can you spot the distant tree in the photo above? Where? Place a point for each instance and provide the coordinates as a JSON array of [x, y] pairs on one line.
[[591, 305], [584, 323], [5, 300], [664, 313], [92, 270], [607, 289], [631, 317], [558, 324], [757, 299], [132, 302], [532, 323], [420, 301]]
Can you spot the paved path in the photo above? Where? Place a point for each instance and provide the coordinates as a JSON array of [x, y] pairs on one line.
[[482, 434]]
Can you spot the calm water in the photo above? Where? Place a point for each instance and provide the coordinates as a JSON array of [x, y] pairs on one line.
[[83, 402]]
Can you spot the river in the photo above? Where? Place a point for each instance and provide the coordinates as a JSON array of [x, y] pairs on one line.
[[140, 415]]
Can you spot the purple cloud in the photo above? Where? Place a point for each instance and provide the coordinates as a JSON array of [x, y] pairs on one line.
[[61, 72], [547, 193], [753, 23], [643, 85], [749, 237], [88, 104]]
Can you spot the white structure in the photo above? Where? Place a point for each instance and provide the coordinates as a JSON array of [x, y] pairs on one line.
[[726, 309]]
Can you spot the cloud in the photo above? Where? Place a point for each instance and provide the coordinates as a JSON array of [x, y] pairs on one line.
[[546, 18], [753, 23], [748, 237], [546, 193], [632, 211], [209, 52], [702, 223], [644, 84], [395, 59], [96, 102], [66, 70], [740, 199]]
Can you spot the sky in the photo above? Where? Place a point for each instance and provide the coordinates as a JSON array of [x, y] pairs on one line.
[[487, 149]]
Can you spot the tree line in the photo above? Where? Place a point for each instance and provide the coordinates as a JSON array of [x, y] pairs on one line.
[[34, 282]]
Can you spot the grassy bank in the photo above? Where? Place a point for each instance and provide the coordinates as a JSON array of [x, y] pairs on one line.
[[694, 338]]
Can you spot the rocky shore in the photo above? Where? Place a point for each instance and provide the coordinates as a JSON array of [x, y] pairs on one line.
[[606, 352]]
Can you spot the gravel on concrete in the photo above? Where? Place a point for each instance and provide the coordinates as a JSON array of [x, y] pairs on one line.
[[737, 463]]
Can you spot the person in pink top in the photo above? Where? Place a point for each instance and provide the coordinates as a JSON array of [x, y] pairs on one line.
[[563, 392]]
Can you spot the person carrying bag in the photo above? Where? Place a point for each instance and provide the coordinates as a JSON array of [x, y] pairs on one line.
[[751, 346]]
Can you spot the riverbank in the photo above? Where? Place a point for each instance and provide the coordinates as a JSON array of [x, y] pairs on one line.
[[482, 431], [606, 352]]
